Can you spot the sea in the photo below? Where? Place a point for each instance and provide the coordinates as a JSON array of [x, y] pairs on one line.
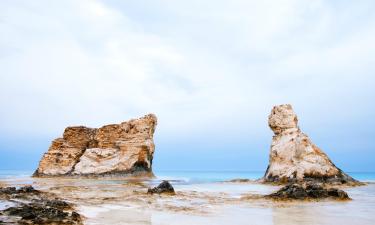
[[202, 198], [198, 176]]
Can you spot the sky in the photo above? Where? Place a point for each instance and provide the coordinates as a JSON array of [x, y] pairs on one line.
[[210, 70]]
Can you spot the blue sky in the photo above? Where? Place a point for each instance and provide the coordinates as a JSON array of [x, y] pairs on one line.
[[210, 70]]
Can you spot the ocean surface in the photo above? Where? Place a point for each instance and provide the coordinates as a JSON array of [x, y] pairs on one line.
[[202, 198], [215, 176], [186, 177]]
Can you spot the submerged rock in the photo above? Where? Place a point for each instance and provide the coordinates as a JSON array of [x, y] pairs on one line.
[[8, 190], [21, 190], [294, 157], [163, 187], [240, 180], [31, 206], [308, 191], [116, 149]]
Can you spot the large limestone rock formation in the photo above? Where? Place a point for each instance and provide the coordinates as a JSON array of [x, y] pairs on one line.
[[121, 149], [293, 156]]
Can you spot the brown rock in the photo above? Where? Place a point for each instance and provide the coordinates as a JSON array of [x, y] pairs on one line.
[[294, 157], [125, 148]]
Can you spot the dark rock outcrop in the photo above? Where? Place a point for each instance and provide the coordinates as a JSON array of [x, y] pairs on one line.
[[163, 187], [30, 206], [303, 191]]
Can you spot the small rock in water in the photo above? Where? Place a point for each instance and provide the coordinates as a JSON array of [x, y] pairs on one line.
[[27, 189], [308, 191], [163, 187], [21, 190]]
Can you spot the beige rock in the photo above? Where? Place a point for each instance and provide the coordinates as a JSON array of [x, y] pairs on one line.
[[293, 156], [125, 148]]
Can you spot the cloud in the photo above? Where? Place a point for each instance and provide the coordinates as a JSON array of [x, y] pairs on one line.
[[54, 70], [205, 68]]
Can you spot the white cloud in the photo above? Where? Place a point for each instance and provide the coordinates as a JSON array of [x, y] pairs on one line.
[[202, 67]]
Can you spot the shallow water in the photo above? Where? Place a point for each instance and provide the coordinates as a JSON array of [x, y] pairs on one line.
[[201, 198]]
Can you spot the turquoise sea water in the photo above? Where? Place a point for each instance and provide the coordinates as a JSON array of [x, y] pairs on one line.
[[198, 176]]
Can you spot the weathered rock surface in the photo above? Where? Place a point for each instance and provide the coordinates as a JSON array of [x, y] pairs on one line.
[[30, 206], [116, 149], [294, 157], [302, 191], [163, 187]]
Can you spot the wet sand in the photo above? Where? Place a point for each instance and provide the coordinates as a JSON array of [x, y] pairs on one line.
[[121, 201]]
